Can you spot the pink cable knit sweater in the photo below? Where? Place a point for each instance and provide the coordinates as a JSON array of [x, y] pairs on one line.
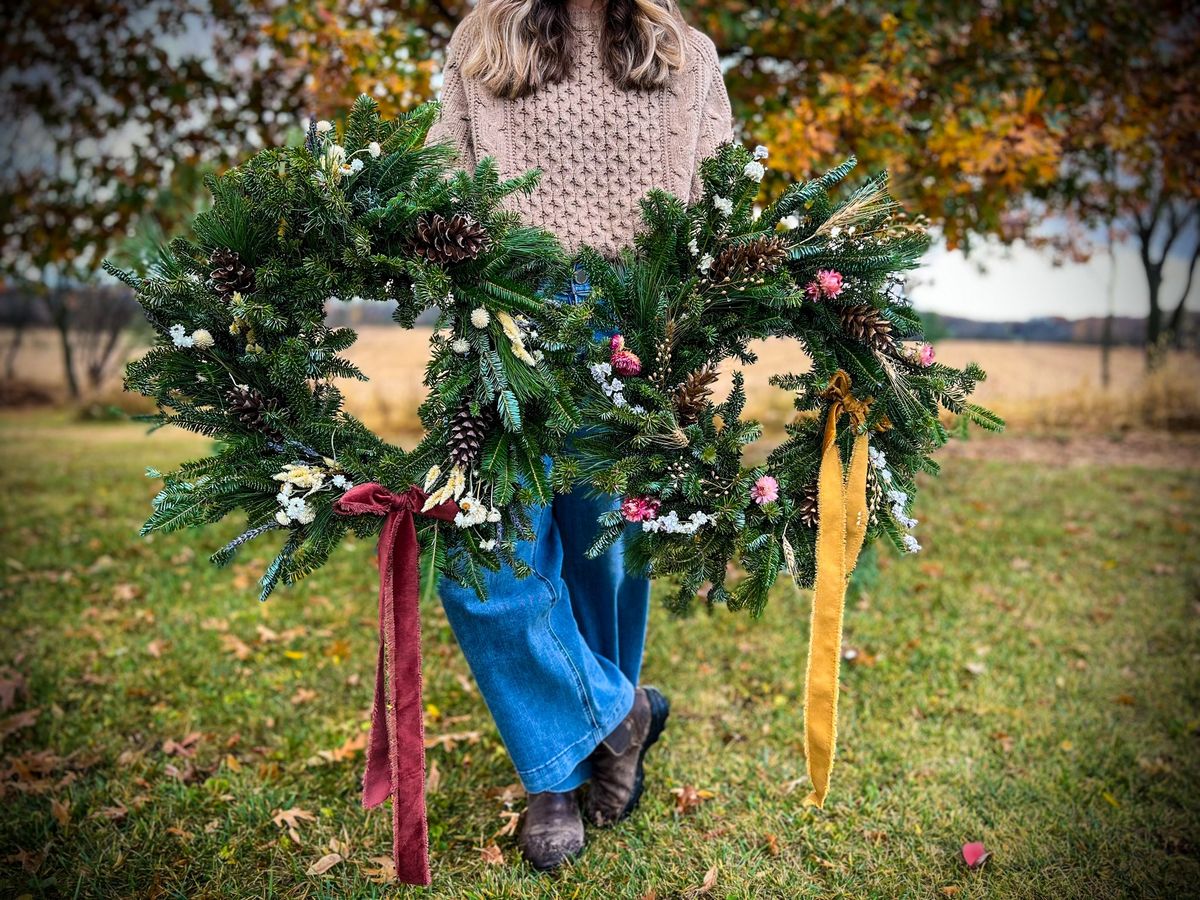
[[600, 149]]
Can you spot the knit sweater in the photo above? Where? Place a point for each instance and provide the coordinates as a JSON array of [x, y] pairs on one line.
[[600, 148]]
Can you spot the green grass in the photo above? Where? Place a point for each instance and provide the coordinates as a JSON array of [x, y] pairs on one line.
[[1029, 681]]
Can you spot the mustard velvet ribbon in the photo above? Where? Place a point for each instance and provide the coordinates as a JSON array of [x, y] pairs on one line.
[[841, 527]]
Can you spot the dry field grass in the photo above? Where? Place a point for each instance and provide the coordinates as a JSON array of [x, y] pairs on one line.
[[1039, 388]]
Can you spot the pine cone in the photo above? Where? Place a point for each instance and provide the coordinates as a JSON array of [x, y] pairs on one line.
[[468, 432], [692, 396], [445, 241], [743, 261], [229, 274], [865, 323], [806, 506], [248, 406]]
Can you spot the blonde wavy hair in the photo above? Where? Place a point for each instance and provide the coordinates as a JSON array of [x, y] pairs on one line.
[[525, 45]]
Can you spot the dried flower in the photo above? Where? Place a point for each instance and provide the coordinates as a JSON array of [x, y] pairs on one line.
[[926, 355], [765, 490], [755, 170], [640, 509], [202, 338], [480, 317]]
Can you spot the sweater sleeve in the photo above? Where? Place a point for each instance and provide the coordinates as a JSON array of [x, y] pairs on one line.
[[716, 114], [454, 124]]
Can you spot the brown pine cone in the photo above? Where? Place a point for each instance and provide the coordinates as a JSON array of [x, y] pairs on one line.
[[468, 432], [762, 255], [865, 323], [229, 274], [692, 396], [247, 405], [445, 241], [806, 506]]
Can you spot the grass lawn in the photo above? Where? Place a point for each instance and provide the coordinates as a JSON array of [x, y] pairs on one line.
[[1031, 681]]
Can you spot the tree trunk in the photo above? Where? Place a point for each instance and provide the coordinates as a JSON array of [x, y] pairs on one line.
[[60, 314], [1154, 321]]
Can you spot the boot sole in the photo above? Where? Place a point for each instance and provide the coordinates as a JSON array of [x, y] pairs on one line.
[[660, 711]]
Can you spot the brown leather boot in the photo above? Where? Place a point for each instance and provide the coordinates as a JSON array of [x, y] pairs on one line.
[[617, 775], [551, 830]]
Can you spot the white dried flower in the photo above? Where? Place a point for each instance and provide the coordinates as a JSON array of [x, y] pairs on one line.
[[180, 337], [374, 149], [755, 171], [911, 545], [480, 317], [461, 346], [706, 262], [723, 205], [761, 152], [202, 338], [324, 126]]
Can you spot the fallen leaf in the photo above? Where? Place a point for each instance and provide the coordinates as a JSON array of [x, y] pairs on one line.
[[510, 826], [1110, 799], [492, 855], [125, 592], [449, 741], [185, 747], [349, 749], [1020, 565], [231, 643], [772, 844], [324, 864], [710, 881], [12, 685], [61, 811], [155, 648], [950, 891], [1124, 699], [974, 855], [291, 819], [687, 798], [303, 695], [17, 722], [433, 778], [976, 668], [112, 813], [385, 871]]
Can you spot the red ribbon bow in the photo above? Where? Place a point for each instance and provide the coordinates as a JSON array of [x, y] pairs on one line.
[[396, 747]]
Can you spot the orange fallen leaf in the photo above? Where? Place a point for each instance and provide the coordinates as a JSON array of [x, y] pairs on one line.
[[303, 695], [384, 871], [492, 855], [687, 798], [61, 811], [710, 882]]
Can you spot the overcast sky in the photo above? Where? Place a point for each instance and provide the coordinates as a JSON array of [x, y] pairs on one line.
[[1020, 283]]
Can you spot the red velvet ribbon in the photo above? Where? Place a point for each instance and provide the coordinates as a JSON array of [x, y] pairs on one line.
[[396, 748]]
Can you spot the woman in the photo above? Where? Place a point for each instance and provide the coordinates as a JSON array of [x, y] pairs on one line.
[[610, 100]]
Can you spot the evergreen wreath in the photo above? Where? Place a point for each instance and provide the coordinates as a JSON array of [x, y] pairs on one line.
[[701, 282], [243, 353]]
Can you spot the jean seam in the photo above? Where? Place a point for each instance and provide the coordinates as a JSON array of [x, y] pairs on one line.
[[562, 651]]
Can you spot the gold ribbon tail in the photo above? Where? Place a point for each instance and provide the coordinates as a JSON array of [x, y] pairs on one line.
[[841, 528]]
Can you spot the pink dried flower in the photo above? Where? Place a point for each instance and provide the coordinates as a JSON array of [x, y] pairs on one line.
[[624, 362], [765, 490], [640, 509], [926, 355], [827, 284], [830, 281]]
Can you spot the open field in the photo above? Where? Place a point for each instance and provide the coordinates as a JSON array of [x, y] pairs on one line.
[[1030, 681], [1038, 387]]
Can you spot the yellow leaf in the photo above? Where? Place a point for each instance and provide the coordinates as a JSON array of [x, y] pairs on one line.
[[294, 654], [1113, 801]]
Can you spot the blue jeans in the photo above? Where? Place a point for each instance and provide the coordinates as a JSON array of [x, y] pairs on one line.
[[556, 655]]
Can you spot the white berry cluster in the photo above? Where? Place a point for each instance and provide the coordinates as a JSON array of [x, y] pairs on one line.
[[899, 498], [201, 338], [672, 524]]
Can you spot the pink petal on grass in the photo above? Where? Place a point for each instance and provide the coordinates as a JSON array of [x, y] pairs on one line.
[[974, 855]]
